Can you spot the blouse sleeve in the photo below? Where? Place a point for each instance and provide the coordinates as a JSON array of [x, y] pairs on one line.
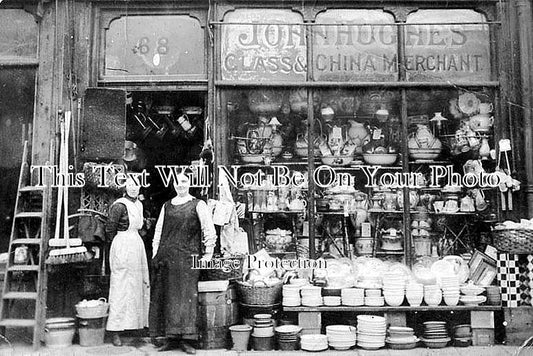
[[157, 232], [209, 234], [116, 212]]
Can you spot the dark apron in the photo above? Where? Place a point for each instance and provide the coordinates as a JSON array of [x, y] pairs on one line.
[[174, 286]]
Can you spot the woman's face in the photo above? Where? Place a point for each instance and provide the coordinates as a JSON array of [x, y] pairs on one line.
[[132, 189], [182, 185]]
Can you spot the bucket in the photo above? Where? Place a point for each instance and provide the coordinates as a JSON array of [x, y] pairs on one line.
[[240, 335], [92, 331], [216, 311], [59, 332], [263, 343], [287, 345]]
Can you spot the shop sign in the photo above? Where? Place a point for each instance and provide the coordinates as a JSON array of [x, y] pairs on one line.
[[274, 48], [155, 47], [443, 52], [355, 45]]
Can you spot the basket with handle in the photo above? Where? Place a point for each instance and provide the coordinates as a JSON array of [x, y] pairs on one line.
[[96, 311], [513, 240], [259, 295]]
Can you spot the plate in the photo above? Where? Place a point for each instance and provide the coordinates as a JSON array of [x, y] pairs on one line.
[[468, 103]]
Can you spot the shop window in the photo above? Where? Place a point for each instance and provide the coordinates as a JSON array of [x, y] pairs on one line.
[[154, 48], [18, 31]]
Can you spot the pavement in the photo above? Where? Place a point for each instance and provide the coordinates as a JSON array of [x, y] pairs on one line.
[[141, 347]]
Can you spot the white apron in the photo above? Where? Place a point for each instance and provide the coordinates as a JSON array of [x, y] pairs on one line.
[[129, 292]]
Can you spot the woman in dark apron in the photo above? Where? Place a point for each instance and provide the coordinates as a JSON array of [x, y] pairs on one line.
[[184, 224]]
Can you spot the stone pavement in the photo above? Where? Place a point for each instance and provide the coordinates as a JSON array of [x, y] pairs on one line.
[[141, 348]]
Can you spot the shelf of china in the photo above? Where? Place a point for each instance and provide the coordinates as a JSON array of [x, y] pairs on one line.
[[421, 308]]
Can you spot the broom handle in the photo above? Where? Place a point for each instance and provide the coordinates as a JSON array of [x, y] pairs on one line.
[[60, 189], [65, 195]]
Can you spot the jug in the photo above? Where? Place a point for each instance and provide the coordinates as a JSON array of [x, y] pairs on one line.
[[484, 150], [358, 134]]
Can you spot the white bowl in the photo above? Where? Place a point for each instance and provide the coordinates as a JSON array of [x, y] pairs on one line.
[[472, 290], [384, 159], [451, 301], [394, 301]]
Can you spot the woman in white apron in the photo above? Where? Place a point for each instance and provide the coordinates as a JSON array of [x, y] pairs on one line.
[[129, 292]]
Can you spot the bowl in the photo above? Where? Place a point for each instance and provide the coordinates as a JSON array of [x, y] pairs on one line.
[[336, 160], [252, 158], [472, 290], [424, 153], [383, 159], [436, 343]]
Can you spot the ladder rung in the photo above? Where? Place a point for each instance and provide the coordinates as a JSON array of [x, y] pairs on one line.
[[26, 241], [32, 188], [29, 214], [23, 268], [20, 295], [18, 323]]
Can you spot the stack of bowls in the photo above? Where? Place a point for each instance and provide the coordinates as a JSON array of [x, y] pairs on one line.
[[371, 331], [401, 338], [493, 295], [353, 297], [263, 334], [450, 290], [414, 293], [435, 334], [432, 295], [373, 298], [291, 295], [332, 301], [462, 335], [394, 289], [341, 337], [288, 336], [314, 342], [311, 296]]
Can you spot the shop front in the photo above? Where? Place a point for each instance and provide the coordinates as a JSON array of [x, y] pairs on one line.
[[386, 140]]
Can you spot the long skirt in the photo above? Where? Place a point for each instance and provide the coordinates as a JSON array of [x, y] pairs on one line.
[[129, 293]]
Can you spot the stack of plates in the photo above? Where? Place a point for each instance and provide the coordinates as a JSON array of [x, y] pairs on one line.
[[450, 290], [341, 337], [432, 295], [414, 293], [332, 301], [394, 289], [401, 338], [462, 335], [373, 298], [288, 333], [314, 342], [311, 296], [435, 334], [353, 297], [291, 295], [263, 325], [371, 331]]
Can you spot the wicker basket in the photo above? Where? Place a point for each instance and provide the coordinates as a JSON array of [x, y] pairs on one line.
[[513, 240], [93, 312], [219, 274], [259, 296]]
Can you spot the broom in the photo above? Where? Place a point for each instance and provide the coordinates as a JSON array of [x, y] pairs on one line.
[[73, 251]]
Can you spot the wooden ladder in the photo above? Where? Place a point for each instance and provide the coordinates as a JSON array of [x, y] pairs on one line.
[[23, 302]]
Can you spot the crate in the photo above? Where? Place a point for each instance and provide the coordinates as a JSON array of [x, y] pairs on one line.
[[482, 337]]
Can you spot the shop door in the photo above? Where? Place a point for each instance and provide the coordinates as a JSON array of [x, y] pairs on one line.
[[103, 125]]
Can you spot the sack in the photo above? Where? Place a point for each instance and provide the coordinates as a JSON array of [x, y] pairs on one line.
[[93, 175], [233, 239]]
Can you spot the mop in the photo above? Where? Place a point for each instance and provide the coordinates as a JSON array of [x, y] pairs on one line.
[[73, 251]]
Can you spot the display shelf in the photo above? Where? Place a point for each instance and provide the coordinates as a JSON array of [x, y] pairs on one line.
[[274, 163], [421, 308], [384, 252], [278, 211], [440, 163]]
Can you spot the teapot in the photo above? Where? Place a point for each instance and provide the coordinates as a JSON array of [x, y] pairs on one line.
[[481, 122], [298, 204]]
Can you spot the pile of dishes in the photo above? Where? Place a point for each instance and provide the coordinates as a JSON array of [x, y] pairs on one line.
[[291, 295], [471, 295], [432, 295], [450, 290], [373, 298], [462, 335], [341, 337], [332, 301], [311, 296], [401, 338], [314, 342], [394, 289], [353, 297], [435, 334], [371, 331], [263, 333], [414, 293], [287, 336]]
